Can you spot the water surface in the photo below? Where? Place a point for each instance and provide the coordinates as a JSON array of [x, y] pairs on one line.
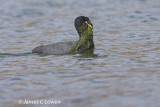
[[126, 72]]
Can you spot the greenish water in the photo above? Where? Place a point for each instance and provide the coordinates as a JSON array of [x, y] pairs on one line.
[[123, 70]]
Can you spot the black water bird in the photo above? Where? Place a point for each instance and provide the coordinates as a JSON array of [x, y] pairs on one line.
[[84, 28]]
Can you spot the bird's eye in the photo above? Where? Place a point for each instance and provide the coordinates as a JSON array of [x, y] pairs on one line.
[[86, 19]]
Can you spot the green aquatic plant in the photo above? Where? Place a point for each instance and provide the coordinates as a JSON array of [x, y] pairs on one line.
[[85, 39]]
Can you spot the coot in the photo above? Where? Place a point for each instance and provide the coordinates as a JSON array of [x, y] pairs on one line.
[[84, 28]]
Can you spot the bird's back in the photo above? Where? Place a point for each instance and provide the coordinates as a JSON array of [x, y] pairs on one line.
[[59, 48]]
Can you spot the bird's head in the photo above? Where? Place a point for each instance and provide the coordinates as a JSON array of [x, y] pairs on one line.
[[83, 24]]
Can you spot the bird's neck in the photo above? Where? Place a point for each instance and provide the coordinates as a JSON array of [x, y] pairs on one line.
[[85, 36], [85, 42]]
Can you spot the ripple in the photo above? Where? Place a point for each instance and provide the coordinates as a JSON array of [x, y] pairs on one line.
[[122, 70]]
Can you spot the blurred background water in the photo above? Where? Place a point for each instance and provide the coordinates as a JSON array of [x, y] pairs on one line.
[[126, 72]]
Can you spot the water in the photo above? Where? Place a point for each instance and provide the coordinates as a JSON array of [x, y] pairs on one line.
[[126, 72]]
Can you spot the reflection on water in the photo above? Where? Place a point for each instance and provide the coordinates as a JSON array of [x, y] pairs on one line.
[[86, 54], [123, 70]]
